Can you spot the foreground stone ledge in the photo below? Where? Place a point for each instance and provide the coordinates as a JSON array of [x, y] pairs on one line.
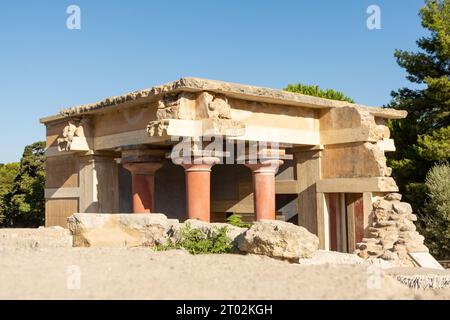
[[40, 238]]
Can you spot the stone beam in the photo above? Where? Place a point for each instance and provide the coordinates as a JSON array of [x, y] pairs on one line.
[[357, 185]]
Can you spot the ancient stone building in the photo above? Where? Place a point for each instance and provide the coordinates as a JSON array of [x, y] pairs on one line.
[[319, 163]]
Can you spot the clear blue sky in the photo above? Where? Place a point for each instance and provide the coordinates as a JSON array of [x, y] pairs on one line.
[[127, 45]]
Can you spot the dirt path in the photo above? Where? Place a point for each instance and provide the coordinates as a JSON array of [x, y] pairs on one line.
[[39, 272]]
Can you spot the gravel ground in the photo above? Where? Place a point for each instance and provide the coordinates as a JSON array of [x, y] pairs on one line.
[[34, 267]]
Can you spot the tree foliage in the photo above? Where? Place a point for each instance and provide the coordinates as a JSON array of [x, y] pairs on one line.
[[24, 203], [8, 173], [317, 92], [435, 225], [422, 139]]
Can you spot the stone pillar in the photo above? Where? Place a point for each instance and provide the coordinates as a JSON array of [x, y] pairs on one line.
[[143, 184], [308, 172], [98, 183], [264, 188], [198, 185]]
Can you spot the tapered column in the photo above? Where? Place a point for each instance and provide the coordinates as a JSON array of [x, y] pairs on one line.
[[142, 185], [198, 185], [264, 188]]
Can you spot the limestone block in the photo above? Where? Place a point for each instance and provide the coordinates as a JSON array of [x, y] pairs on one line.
[[407, 226], [387, 244], [354, 160], [385, 223], [118, 230], [347, 124], [402, 207], [176, 106], [393, 196], [416, 247], [279, 239], [212, 106], [382, 204], [389, 255]]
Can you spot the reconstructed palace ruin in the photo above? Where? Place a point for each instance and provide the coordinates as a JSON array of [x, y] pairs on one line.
[[318, 163]]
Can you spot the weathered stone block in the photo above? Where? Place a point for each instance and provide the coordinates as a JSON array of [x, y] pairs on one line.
[[389, 255], [118, 230], [402, 207], [393, 196], [279, 239]]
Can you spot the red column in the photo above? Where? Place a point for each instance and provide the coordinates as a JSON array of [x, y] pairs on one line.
[[198, 187], [264, 188], [142, 185]]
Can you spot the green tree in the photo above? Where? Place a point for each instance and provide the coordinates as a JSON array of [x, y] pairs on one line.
[[25, 203], [435, 225], [317, 92], [8, 173], [423, 138]]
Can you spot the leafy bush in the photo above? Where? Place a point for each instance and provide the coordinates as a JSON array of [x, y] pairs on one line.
[[236, 220], [317, 92], [435, 224], [197, 242]]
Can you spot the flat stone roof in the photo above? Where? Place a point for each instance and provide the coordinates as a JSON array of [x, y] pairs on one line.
[[232, 90]]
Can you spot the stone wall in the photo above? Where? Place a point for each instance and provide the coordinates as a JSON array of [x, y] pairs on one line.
[[393, 234]]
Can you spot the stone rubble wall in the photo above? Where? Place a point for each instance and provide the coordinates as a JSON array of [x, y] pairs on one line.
[[393, 234], [276, 239]]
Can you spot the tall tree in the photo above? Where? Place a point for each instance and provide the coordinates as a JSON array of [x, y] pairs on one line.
[[8, 173], [25, 203], [423, 138]]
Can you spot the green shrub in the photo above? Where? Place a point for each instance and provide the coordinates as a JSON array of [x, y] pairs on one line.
[[196, 242], [435, 223], [236, 220]]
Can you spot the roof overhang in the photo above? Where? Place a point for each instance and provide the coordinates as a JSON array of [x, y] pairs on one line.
[[231, 90]]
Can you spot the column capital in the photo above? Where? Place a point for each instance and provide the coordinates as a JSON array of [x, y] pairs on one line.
[[267, 166], [199, 164], [142, 168]]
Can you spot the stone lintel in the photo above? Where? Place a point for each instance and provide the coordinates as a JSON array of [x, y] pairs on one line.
[[356, 185]]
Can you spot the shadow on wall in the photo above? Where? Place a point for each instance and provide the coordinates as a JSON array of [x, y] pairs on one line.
[[170, 191]]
